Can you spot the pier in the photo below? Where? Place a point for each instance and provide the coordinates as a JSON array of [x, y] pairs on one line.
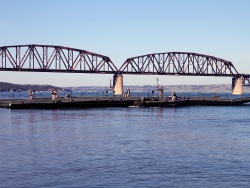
[[91, 102]]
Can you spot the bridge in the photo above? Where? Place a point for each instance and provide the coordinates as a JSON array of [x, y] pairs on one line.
[[47, 58]]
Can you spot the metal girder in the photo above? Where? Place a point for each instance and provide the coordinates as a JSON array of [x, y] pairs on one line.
[[245, 80], [178, 63], [46, 58]]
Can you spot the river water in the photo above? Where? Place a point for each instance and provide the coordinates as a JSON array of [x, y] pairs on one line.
[[193, 146]]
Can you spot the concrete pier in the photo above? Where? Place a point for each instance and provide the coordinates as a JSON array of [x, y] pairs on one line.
[[118, 84], [237, 88]]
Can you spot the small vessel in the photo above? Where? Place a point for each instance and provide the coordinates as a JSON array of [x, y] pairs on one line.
[[170, 101], [161, 103]]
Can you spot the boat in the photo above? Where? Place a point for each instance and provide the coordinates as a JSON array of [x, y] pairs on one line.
[[161, 103]]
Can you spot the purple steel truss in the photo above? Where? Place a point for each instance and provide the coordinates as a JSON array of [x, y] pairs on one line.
[[44, 58], [245, 80], [178, 63]]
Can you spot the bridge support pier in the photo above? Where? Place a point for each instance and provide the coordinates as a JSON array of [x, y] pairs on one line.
[[118, 84], [237, 88]]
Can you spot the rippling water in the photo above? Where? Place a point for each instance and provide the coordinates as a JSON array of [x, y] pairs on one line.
[[196, 146]]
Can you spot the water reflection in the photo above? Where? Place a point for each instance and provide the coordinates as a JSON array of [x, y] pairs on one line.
[[101, 147]]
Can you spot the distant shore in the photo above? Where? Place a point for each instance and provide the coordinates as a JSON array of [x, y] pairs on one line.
[[9, 87], [166, 88]]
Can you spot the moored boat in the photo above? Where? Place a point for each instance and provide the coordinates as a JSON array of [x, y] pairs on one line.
[[161, 103]]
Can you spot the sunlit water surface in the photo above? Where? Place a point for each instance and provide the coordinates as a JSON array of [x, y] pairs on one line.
[[196, 146]]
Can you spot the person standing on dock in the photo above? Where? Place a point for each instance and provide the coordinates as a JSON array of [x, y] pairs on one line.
[[67, 96], [128, 92], [54, 94], [174, 96], [159, 88], [31, 94]]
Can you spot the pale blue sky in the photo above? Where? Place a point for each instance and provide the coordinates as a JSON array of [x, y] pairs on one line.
[[122, 29]]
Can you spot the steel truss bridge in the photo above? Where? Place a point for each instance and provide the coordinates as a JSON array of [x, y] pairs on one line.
[[46, 58]]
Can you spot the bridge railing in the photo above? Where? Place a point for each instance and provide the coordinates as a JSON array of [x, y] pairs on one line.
[[47, 95]]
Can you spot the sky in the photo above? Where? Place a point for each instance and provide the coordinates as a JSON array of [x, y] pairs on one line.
[[121, 29]]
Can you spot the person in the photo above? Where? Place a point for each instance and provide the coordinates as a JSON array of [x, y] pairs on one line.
[[160, 89], [67, 96], [31, 94], [174, 96], [54, 94], [128, 92], [153, 96]]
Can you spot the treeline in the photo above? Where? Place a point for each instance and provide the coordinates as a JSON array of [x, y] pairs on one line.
[[10, 87]]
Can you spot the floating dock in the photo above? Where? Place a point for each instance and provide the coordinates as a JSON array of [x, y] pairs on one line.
[[77, 102], [218, 101], [89, 102]]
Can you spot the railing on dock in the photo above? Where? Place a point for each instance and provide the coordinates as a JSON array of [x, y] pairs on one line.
[[47, 95]]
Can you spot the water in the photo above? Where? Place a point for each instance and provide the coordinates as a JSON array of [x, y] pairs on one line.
[[195, 146]]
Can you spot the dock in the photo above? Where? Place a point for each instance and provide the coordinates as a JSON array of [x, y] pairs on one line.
[[218, 101], [89, 102], [77, 102]]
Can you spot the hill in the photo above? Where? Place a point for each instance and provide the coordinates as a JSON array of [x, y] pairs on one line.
[[167, 88], [9, 87]]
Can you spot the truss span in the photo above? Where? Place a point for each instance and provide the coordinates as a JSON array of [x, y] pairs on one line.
[[178, 63], [46, 58], [245, 79]]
